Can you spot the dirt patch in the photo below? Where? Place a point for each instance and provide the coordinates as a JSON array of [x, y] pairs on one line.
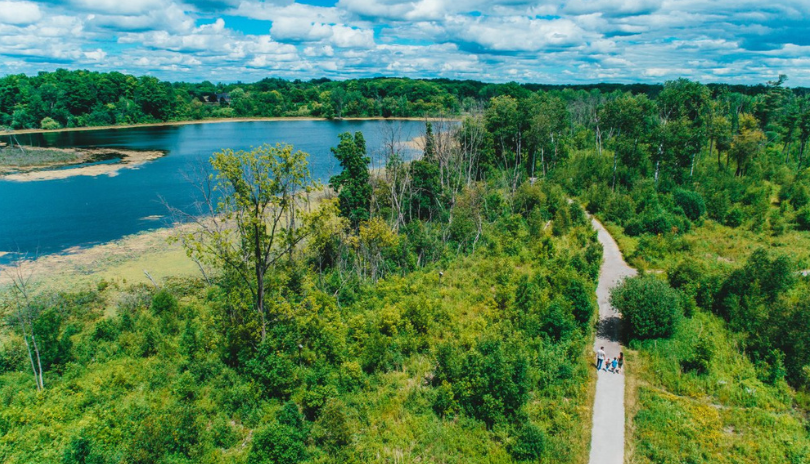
[[80, 164]]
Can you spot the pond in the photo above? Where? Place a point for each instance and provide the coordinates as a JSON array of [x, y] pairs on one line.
[[44, 217]]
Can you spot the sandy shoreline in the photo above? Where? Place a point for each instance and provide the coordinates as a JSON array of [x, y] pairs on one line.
[[130, 159], [212, 121]]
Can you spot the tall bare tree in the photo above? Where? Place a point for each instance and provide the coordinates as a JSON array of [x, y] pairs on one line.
[[23, 313]]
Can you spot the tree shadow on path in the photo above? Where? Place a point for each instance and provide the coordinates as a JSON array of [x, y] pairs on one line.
[[609, 328]]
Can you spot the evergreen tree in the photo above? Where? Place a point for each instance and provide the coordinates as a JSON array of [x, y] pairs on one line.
[[353, 183]]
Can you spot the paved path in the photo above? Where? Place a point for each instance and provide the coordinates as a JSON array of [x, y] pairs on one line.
[[607, 436]]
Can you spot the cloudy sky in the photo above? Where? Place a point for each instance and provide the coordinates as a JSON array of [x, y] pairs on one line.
[[548, 41]]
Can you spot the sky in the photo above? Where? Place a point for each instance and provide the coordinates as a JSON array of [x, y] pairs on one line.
[[542, 41]]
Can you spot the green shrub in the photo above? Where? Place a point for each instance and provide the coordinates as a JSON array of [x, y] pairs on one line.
[[796, 193], [273, 370], [444, 403], [803, 218], [529, 444], [650, 307], [163, 303], [690, 202], [717, 206], [527, 198], [735, 217], [489, 383], [620, 209], [332, 428], [701, 359], [48, 123], [580, 298], [277, 443]]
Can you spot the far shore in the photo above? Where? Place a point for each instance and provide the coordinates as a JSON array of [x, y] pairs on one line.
[[211, 121]]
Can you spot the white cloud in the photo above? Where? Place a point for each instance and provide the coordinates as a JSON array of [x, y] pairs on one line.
[[292, 11], [612, 7], [321, 50], [19, 13], [339, 35], [519, 33], [541, 40], [118, 7], [169, 18], [95, 55]]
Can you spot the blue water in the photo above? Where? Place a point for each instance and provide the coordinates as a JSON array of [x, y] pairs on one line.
[[44, 217]]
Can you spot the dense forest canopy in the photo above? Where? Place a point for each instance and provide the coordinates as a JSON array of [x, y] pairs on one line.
[[65, 98]]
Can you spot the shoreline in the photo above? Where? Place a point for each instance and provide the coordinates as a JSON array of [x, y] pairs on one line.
[[215, 121], [123, 259]]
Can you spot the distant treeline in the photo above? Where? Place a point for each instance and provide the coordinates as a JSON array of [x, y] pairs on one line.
[[63, 98]]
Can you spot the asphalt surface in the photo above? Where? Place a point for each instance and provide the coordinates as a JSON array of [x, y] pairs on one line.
[[607, 436]]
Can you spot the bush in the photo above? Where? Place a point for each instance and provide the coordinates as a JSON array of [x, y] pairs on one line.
[[691, 202], [735, 217], [620, 209], [803, 218], [650, 307], [163, 303], [277, 444], [48, 123], [717, 206], [529, 444], [580, 298], [273, 370], [527, 198], [700, 361]]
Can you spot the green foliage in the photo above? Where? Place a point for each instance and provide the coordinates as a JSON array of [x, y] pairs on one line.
[[352, 184], [700, 362], [803, 219], [529, 444], [650, 307], [489, 382], [426, 190], [277, 443], [48, 123], [735, 217], [690, 202], [163, 303]]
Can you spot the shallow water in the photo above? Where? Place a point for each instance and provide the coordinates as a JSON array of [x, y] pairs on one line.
[[44, 217]]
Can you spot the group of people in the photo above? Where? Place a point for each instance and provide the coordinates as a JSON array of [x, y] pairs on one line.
[[614, 365]]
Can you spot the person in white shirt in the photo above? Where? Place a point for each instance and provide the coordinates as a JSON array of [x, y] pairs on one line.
[[600, 357]]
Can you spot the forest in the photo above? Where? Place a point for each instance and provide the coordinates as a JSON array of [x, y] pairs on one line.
[[441, 309], [65, 99]]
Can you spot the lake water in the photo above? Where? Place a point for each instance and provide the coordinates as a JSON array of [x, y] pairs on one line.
[[44, 217]]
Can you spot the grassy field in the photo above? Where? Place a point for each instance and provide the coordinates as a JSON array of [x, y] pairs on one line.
[[728, 414], [725, 416]]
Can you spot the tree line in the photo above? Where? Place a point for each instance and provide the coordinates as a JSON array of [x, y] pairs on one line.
[[64, 99]]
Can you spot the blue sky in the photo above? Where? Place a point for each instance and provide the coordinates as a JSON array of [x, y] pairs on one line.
[[546, 41]]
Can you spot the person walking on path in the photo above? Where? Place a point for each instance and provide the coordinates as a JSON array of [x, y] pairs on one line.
[[607, 430], [600, 358], [614, 365], [621, 361]]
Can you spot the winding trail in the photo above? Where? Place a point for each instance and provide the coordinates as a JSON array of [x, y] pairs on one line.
[[607, 435]]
